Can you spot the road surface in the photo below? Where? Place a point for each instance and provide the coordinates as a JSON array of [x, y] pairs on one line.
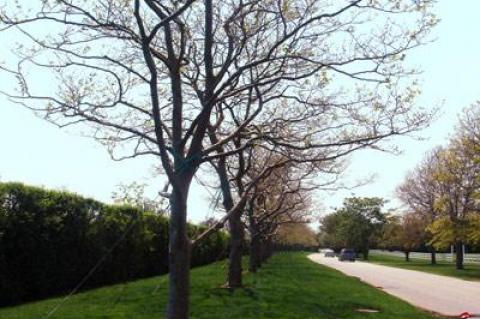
[[444, 295]]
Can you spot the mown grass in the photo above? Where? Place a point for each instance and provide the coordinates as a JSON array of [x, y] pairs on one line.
[[471, 271], [288, 286]]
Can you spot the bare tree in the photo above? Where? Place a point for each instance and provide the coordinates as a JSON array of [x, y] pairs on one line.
[[150, 77], [412, 233], [468, 128], [405, 232]]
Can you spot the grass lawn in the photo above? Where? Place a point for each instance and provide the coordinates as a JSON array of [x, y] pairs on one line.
[[471, 272], [288, 286]]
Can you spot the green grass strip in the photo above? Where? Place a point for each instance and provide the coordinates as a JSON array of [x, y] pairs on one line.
[[471, 271], [288, 286]]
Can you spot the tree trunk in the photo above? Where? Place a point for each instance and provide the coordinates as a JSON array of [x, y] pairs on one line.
[[433, 256], [261, 251], [407, 256], [235, 226], [255, 242], [258, 253], [459, 254], [236, 251], [254, 252], [267, 249], [365, 254], [179, 255], [253, 258]]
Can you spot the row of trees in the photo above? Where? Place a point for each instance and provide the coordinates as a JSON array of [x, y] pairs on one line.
[[443, 192], [360, 224], [269, 93]]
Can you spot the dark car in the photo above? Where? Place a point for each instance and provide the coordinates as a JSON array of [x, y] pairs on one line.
[[346, 254]]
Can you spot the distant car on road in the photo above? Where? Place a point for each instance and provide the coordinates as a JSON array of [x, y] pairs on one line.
[[328, 253], [346, 254]]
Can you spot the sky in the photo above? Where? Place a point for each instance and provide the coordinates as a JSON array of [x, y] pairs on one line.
[[35, 152]]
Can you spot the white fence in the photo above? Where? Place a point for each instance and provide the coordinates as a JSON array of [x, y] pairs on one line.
[[468, 258]]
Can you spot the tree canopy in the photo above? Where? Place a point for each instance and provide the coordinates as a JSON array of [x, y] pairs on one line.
[[160, 78]]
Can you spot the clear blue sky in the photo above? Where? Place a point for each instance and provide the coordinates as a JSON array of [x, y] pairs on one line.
[[35, 152]]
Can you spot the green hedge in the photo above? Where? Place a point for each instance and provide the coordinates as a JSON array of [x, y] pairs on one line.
[[50, 240]]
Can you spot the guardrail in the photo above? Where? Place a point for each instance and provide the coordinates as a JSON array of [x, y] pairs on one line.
[[468, 258]]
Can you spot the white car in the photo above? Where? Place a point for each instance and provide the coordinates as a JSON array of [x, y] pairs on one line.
[[328, 253]]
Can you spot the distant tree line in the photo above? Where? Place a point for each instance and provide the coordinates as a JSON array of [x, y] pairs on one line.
[[441, 198], [51, 240], [356, 225]]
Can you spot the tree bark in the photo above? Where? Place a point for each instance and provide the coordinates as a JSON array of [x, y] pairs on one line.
[[365, 254], [236, 251], [255, 255], [254, 249], [179, 255], [433, 256], [267, 249], [235, 227], [407, 256], [459, 254], [254, 259]]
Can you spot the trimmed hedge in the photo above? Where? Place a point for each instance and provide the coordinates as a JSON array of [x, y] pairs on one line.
[[50, 240]]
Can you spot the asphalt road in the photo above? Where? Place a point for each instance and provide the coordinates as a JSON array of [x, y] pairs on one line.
[[444, 295]]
